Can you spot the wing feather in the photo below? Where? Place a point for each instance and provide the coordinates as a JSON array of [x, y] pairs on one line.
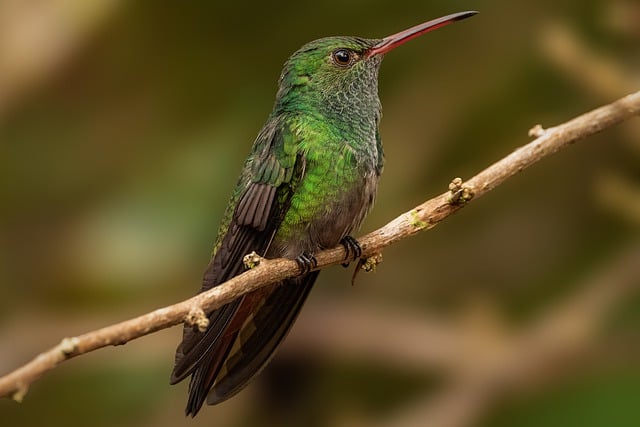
[[255, 210]]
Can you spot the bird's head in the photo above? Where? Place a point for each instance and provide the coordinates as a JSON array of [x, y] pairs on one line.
[[337, 75]]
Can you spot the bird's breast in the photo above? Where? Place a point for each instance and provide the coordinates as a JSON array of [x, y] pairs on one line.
[[334, 195]]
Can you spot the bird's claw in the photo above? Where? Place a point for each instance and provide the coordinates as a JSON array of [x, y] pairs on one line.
[[352, 248], [306, 262]]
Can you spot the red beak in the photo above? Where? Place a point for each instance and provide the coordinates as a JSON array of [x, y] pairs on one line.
[[395, 40]]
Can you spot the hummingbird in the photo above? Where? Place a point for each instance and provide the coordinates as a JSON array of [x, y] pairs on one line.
[[309, 181]]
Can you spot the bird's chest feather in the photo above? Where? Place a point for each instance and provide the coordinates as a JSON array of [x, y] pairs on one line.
[[336, 190]]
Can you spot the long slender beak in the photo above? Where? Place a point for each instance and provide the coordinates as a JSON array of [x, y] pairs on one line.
[[395, 40]]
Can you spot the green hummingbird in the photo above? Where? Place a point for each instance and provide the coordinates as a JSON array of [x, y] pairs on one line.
[[309, 181]]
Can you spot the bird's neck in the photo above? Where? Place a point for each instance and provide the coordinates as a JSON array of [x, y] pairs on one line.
[[346, 117]]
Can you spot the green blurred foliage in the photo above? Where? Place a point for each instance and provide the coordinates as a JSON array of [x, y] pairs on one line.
[[115, 170], [595, 401]]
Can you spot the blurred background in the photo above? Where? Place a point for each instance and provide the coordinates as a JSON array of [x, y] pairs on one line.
[[123, 127]]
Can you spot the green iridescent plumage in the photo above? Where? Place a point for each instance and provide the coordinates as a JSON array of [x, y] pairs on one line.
[[309, 181]]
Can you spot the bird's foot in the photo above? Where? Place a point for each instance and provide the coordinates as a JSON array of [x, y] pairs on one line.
[[306, 262], [352, 248]]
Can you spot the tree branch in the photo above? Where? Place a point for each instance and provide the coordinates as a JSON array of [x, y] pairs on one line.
[[422, 217]]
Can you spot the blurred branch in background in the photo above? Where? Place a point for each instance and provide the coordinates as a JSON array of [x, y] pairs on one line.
[[594, 71], [423, 217], [619, 195], [553, 346], [38, 37], [603, 76]]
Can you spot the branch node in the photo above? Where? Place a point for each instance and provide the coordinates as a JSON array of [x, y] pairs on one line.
[[196, 317], [537, 131], [372, 262], [459, 193], [20, 392], [367, 264], [252, 260], [69, 346]]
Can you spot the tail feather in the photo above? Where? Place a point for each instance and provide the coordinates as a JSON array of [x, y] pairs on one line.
[[225, 358], [260, 338], [205, 374], [195, 345]]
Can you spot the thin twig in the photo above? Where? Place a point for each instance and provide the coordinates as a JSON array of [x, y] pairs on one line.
[[422, 217]]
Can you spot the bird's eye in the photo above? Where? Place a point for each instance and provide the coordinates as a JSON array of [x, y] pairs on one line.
[[342, 57]]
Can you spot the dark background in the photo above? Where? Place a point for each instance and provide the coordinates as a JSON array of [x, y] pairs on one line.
[[123, 126]]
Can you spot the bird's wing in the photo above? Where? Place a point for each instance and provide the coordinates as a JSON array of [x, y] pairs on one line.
[[255, 211]]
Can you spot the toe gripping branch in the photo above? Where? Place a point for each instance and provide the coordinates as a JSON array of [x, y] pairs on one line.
[[306, 262], [354, 253], [352, 248]]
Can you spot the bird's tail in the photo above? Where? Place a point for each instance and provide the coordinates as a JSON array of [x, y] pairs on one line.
[[236, 353]]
